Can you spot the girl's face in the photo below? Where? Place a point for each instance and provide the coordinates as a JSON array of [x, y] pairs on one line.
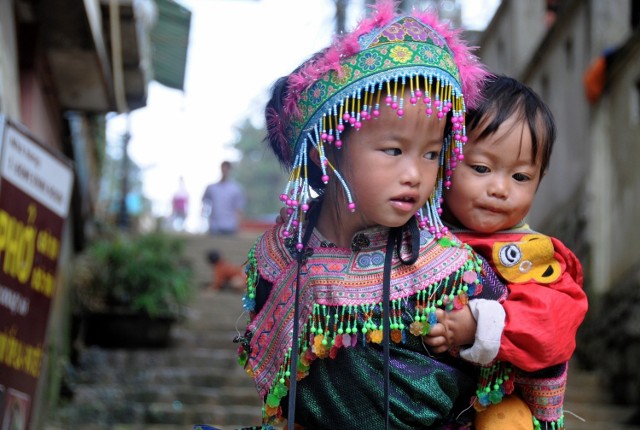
[[391, 165], [494, 187]]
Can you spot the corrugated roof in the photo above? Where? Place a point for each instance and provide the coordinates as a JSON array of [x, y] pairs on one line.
[[170, 41]]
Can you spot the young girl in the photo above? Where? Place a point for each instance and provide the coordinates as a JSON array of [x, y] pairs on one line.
[[511, 136], [341, 295]]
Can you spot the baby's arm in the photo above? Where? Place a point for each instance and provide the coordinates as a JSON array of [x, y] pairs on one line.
[[476, 328], [541, 318]]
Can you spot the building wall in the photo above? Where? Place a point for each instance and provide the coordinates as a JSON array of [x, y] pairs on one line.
[[9, 103], [574, 197], [40, 113], [615, 184], [512, 36]]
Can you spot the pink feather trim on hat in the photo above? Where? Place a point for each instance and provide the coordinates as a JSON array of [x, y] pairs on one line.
[[472, 72]]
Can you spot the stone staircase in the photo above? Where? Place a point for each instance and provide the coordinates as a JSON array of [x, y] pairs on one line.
[[197, 380]]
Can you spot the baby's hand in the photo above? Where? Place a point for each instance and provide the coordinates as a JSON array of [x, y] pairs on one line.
[[455, 328], [282, 217]]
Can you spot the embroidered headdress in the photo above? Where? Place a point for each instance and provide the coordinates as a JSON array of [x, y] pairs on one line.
[[342, 86]]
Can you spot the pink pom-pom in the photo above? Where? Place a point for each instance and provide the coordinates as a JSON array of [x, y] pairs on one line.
[[352, 207]]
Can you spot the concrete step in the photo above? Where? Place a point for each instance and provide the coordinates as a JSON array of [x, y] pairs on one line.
[[139, 415]]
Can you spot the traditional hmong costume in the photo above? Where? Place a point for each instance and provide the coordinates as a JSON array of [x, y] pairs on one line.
[[341, 360], [545, 308], [347, 323]]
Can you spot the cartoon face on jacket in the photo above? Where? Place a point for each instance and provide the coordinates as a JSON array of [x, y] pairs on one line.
[[529, 259]]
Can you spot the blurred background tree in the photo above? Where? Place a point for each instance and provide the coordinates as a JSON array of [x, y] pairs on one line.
[[259, 173]]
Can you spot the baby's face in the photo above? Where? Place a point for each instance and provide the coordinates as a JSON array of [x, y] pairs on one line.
[[494, 187]]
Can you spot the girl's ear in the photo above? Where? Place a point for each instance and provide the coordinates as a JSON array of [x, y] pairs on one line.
[[314, 155]]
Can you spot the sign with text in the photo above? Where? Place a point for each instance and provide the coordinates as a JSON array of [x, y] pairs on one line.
[[35, 191]]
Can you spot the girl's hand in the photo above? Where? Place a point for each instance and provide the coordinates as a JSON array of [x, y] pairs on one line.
[[455, 328]]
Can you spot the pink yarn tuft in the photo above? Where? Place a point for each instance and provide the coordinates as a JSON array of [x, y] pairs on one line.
[[277, 135], [472, 71]]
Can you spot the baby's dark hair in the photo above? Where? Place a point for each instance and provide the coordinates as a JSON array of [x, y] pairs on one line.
[[503, 97]]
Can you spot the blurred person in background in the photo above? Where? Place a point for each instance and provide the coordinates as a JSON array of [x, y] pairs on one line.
[[223, 203], [179, 206]]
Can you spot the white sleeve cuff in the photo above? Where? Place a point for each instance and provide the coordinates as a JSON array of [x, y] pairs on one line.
[[490, 317]]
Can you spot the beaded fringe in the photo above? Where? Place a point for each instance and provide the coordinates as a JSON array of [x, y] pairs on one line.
[[329, 328]]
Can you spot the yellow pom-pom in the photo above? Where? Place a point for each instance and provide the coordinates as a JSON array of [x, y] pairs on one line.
[[510, 414]]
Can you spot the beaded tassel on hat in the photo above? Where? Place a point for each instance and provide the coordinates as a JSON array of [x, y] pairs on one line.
[[412, 58]]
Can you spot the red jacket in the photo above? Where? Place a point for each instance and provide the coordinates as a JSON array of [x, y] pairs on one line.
[[546, 302]]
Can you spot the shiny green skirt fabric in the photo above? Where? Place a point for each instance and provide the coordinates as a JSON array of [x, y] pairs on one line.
[[347, 392]]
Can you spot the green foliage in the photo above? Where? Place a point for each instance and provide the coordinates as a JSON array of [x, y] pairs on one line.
[[259, 172], [145, 273]]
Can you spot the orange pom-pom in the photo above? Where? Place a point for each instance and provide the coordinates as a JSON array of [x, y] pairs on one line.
[[510, 414]]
